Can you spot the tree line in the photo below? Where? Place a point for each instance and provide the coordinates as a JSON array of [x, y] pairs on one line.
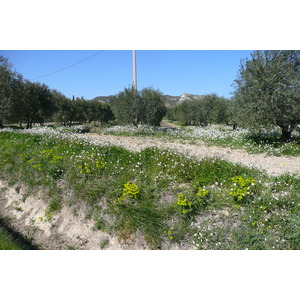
[[202, 112], [267, 94], [25, 102]]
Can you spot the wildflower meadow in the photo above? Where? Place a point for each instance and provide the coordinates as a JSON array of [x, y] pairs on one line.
[[171, 199]]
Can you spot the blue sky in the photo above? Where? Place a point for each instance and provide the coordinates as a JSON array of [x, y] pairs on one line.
[[174, 72]]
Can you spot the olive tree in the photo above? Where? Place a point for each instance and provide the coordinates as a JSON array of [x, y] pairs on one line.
[[62, 108], [153, 107], [268, 90], [207, 110], [10, 84], [139, 107], [22, 100], [37, 103], [99, 111]]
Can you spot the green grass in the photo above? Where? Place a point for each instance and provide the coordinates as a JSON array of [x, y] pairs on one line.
[[272, 144], [163, 195], [10, 240]]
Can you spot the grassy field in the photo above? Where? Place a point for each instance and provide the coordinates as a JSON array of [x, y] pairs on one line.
[[164, 195]]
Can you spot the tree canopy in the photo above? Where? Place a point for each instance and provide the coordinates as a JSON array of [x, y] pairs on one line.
[[32, 102], [139, 107], [268, 90], [209, 109]]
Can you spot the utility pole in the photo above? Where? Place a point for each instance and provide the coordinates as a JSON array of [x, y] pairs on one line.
[[134, 69]]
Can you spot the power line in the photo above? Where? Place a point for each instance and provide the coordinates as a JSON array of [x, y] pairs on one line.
[[69, 66]]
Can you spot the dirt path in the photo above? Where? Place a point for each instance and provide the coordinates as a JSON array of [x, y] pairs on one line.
[[165, 124], [272, 164]]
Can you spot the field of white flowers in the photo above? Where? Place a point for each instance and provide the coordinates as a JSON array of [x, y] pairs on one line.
[[220, 135], [267, 142]]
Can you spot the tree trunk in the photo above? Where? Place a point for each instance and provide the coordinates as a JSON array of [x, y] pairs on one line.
[[29, 123], [286, 134], [135, 121]]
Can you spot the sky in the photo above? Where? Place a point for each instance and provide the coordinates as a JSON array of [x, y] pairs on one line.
[[92, 73]]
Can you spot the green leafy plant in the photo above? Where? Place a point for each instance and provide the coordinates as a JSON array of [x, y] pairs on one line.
[[193, 204], [17, 208], [170, 235], [202, 196], [243, 188], [183, 204], [84, 168], [130, 191]]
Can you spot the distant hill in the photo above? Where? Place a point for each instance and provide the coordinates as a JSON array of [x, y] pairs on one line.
[[105, 99], [175, 100], [170, 100]]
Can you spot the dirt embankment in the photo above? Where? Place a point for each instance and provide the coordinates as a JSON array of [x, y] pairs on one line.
[[67, 229]]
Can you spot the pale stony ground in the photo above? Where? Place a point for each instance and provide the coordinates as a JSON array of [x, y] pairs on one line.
[[66, 230], [273, 165]]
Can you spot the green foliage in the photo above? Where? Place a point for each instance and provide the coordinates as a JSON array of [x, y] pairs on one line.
[[139, 107], [126, 108], [153, 107], [209, 109], [243, 189], [130, 191], [25, 101], [217, 170], [202, 196], [54, 206], [183, 204], [37, 104], [81, 110], [22, 100], [267, 90], [10, 88], [194, 204], [10, 240], [98, 111], [65, 109]]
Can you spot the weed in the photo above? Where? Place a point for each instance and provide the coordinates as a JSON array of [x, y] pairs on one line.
[[17, 208], [243, 189], [183, 204], [130, 191], [104, 244]]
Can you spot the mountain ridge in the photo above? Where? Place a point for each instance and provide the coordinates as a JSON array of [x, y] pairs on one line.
[[170, 100]]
